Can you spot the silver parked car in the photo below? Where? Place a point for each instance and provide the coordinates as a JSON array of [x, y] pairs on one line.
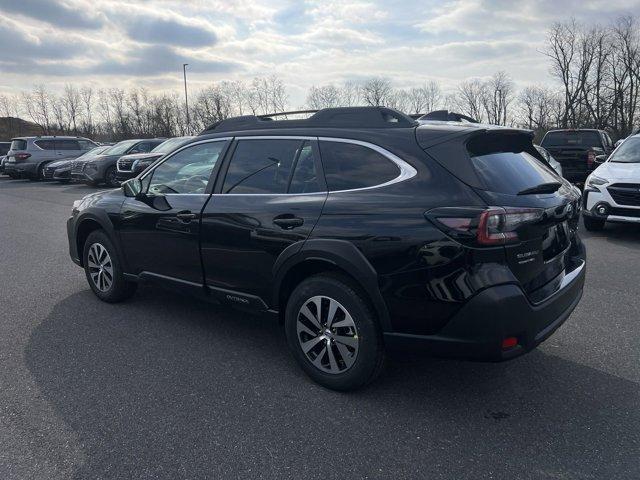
[[29, 155]]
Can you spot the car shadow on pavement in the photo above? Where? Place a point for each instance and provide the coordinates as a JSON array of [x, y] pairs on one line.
[[166, 387]]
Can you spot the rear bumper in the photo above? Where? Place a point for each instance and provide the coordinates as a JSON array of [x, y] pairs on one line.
[[476, 332], [21, 169]]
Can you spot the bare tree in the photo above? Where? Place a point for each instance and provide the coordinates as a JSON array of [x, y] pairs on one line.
[[87, 99], [497, 95], [469, 97], [324, 97], [426, 98], [376, 91]]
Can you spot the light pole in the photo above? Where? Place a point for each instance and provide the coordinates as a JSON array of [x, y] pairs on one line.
[[186, 98]]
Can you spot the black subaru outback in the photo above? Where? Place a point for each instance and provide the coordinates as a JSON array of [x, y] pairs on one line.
[[361, 228]]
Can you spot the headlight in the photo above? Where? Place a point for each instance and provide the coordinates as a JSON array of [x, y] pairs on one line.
[[594, 181]]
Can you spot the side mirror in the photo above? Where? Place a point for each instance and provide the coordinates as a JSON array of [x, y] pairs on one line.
[[601, 158], [132, 188]]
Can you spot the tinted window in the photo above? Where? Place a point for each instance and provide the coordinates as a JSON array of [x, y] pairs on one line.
[[87, 144], [305, 176], [45, 144], [348, 166], [261, 166], [187, 171], [572, 138], [4, 148], [18, 145], [505, 166], [120, 148], [67, 145], [628, 152]]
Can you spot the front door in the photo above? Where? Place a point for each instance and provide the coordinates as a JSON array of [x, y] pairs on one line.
[[270, 198], [160, 230]]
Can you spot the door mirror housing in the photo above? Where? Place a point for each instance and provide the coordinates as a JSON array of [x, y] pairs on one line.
[[601, 158], [133, 188]]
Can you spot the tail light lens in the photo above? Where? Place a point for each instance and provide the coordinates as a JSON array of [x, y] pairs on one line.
[[591, 158], [492, 226], [22, 156]]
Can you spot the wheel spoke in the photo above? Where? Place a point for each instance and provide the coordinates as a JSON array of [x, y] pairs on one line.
[[318, 361], [309, 344], [307, 313], [333, 307], [332, 359], [346, 355], [318, 303], [303, 328], [350, 341]]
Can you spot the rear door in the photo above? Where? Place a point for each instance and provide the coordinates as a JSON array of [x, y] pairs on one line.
[[68, 148], [268, 199], [160, 230], [511, 175]]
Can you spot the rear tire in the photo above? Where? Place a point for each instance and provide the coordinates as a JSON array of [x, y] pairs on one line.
[[103, 269], [345, 356], [593, 224]]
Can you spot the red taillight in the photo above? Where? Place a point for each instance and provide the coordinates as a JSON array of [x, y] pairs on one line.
[[591, 158], [22, 156], [489, 227], [509, 343]]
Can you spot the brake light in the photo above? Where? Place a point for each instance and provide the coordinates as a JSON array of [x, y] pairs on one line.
[[22, 156], [485, 227], [591, 158]]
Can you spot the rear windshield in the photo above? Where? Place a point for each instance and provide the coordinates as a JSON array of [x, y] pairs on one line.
[[628, 152], [505, 165], [18, 145], [572, 139], [120, 148]]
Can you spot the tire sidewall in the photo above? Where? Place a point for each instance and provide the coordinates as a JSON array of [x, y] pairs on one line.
[[100, 237], [370, 341]]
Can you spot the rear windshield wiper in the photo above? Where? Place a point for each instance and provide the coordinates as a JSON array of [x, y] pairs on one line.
[[542, 188]]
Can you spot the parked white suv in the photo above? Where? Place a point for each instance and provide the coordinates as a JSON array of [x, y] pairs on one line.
[[612, 191]]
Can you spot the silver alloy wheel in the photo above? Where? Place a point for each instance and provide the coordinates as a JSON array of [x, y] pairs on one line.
[[100, 267], [327, 334]]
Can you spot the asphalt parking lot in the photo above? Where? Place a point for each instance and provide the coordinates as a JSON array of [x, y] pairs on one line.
[[166, 387]]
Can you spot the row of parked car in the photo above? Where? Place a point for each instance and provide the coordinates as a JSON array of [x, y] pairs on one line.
[[64, 158]]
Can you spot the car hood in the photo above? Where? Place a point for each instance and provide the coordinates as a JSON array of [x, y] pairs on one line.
[[613, 171], [60, 163]]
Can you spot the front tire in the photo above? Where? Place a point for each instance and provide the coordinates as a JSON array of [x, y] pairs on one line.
[[593, 224], [103, 269], [39, 174], [333, 333], [110, 177]]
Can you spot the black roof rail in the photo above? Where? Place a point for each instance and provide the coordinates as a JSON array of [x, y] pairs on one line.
[[447, 116], [351, 117]]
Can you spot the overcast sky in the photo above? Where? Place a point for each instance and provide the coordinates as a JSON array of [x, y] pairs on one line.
[[125, 44]]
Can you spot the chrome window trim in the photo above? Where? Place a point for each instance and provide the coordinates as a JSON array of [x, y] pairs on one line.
[[406, 171]]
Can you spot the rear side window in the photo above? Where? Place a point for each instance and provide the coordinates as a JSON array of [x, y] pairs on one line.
[[67, 145], [504, 164], [261, 166], [305, 178], [348, 166], [18, 145], [45, 144], [571, 138]]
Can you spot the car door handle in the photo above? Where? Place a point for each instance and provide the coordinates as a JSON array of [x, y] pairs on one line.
[[288, 221], [186, 216]]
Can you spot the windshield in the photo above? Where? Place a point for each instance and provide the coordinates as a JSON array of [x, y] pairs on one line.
[[93, 152], [572, 138], [628, 152], [170, 145], [120, 148]]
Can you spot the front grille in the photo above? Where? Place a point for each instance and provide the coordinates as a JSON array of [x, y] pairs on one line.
[[625, 212], [625, 193], [125, 164], [77, 167]]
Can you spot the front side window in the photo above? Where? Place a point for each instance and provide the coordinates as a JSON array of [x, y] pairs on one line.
[[348, 166], [305, 178], [261, 166], [188, 171]]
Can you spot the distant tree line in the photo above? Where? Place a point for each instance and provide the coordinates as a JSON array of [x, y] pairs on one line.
[[596, 67]]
